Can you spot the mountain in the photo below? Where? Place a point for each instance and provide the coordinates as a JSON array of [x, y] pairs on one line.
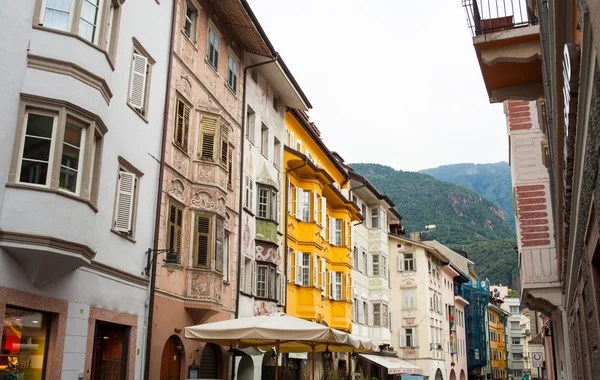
[[464, 219], [491, 181]]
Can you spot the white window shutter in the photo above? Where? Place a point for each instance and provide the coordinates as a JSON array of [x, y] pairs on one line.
[[324, 217], [290, 264], [298, 271], [315, 207], [370, 313], [348, 288], [369, 264], [315, 270], [299, 202], [361, 312], [400, 262], [254, 279], [243, 275], [137, 87], [330, 284], [402, 337], [289, 197], [347, 232], [283, 289], [323, 276], [331, 231], [124, 204], [415, 339]]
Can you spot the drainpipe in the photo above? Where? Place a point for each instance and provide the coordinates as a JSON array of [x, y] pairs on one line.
[[285, 224], [159, 191]]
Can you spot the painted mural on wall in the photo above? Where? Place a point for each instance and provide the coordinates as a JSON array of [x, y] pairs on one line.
[[266, 230], [267, 252], [265, 307]]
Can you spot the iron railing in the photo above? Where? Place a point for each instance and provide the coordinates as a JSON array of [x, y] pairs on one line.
[[488, 16]]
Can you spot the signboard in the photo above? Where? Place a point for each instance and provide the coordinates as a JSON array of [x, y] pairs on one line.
[[538, 360], [298, 355]]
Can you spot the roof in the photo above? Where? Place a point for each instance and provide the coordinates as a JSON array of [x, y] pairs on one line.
[[357, 177], [462, 263], [440, 256]]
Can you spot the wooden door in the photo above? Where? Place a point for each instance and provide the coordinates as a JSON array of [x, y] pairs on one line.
[[170, 365]]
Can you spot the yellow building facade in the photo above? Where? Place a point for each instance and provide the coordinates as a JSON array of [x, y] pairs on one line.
[[497, 338], [318, 228]]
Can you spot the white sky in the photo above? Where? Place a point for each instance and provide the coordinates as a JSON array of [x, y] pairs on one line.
[[394, 82]]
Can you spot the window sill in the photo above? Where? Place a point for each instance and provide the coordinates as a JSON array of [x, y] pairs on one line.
[[265, 299], [181, 149], [124, 236], [248, 211], [137, 112], [76, 36], [65, 194], [189, 39]]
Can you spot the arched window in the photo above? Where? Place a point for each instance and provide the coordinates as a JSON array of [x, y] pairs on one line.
[[209, 362]]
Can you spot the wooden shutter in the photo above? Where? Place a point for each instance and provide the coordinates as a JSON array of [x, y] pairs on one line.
[[369, 264], [298, 272], [348, 288], [400, 262], [124, 205], [289, 265], [137, 88], [202, 242], [220, 238], [254, 277], [315, 270], [324, 217], [299, 203], [224, 143], [208, 132], [315, 206], [323, 277], [174, 230], [230, 167], [331, 279], [182, 125]]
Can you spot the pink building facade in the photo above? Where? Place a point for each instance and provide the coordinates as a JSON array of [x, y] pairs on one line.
[[455, 351]]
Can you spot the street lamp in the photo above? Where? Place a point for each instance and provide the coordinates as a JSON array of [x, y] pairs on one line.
[[171, 261]]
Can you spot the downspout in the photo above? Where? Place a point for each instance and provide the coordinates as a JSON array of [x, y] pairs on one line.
[[241, 197], [285, 225], [159, 191]]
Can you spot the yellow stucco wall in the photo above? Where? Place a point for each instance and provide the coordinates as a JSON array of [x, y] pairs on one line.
[[322, 180], [498, 345]]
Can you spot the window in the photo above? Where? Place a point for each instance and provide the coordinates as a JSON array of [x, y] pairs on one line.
[[213, 49], [54, 132], [202, 242], [377, 314], [276, 103], [232, 74], [95, 23], [303, 205], [125, 210], [337, 286], [226, 257], [516, 341], [264, 140], [375, 217], [515, 325], [338, 232], [212, 129], [365, 261], [191, 19], [225, 145], [514, 310], [250, 120], [517, 356], [305, 269], [409, 263], [20, 329], [261, 281], [375, 264], [407, 338], [174, 229], [267, 203], [276, 152], [110, 351], [409, 297], [182, 125]]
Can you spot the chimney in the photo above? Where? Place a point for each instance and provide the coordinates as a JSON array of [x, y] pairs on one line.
[[416, 236]]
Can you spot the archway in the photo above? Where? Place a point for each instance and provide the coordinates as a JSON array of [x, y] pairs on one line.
[[462, 375], [170, 364], [246, 368], [209, 362], [438, 375], [452, 374]]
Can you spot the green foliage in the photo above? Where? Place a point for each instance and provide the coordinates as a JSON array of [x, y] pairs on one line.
[[464, 219], [491, 181]]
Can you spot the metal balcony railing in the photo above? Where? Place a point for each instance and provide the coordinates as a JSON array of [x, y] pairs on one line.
[[488, 16]]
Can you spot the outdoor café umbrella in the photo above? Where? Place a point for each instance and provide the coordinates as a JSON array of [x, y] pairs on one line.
[[286, 333]]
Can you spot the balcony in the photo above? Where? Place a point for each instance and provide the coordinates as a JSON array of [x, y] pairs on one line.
[[507, 43]]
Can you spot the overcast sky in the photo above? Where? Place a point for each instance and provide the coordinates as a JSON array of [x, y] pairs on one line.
[[394, 82]]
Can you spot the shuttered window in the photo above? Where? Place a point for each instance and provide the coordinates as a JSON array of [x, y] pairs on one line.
[[213, 49], [232, 73], [174, 230], [208, 133], [123, 216], [224, 144], [202, 241], [219, 241], [139, 81], [182, 125], [248, 193], [230, 167]]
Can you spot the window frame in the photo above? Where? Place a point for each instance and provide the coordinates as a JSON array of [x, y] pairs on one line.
[[231, 75], [409, 262], [92, 147], [193, 33], [214, 62]]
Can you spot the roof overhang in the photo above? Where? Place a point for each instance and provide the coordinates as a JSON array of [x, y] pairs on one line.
[[437, 254]]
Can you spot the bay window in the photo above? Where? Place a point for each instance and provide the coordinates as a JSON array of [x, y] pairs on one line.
[[375, 264], [58, 148], [267, 203]]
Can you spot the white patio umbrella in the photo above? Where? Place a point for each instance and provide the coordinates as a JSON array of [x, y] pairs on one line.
[[286, 333]]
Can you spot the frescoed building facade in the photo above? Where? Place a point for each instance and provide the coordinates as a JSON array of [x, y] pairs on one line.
[[82, 100]]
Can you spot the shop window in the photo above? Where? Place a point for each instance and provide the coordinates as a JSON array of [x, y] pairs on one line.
[[24, 344], [110, 352]]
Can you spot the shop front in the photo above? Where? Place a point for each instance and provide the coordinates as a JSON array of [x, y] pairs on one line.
[[389, 367]]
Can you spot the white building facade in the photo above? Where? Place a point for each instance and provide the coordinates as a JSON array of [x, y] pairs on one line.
[[83, 96], [417, 305]]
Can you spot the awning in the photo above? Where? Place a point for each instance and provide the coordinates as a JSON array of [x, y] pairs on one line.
[[393, 365]]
